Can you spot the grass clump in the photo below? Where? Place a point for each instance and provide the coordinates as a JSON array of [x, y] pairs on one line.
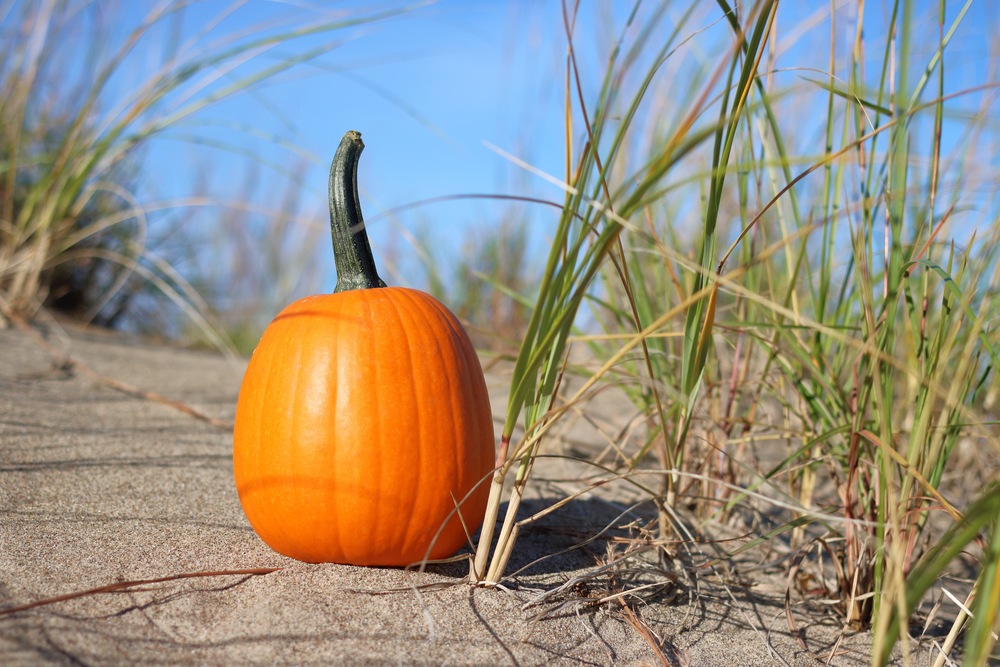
[[73, 130], [815, 330]]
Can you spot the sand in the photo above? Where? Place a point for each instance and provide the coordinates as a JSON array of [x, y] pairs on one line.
[[99, 487]]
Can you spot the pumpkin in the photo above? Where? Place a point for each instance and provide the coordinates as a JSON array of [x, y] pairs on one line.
[[363, 431]]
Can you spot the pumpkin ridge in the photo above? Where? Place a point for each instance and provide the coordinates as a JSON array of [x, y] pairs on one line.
[[277, 388], [273, 378], [423, 466], [389, 327], [336, 528], [376, 526], [467, 391], [471, 390], [430, 320], [251, 460], [291, 426], [302, 424]]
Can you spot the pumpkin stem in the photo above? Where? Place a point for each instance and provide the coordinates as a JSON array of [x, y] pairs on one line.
[[351, 250]]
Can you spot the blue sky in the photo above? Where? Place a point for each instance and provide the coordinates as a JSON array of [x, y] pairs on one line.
[[426, 89], [429, 87]]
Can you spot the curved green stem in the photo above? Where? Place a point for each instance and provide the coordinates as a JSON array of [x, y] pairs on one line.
[[351, 250]]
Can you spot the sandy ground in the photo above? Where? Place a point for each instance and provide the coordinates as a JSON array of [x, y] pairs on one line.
[[99, 487]]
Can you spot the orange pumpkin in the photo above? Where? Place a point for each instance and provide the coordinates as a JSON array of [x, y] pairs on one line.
[[363, 433]]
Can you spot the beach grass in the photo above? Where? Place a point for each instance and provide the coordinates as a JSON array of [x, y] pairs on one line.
[[816, 329]]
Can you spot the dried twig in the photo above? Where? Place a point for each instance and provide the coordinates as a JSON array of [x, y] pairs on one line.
[[67, 363], [126, 586], [640, 626], [132, 390]]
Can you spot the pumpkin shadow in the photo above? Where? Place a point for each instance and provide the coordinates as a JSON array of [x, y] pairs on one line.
[[570, 539], [584, 556]]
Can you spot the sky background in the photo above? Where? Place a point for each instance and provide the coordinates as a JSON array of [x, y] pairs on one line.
[[430, 86], [427, 89]]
